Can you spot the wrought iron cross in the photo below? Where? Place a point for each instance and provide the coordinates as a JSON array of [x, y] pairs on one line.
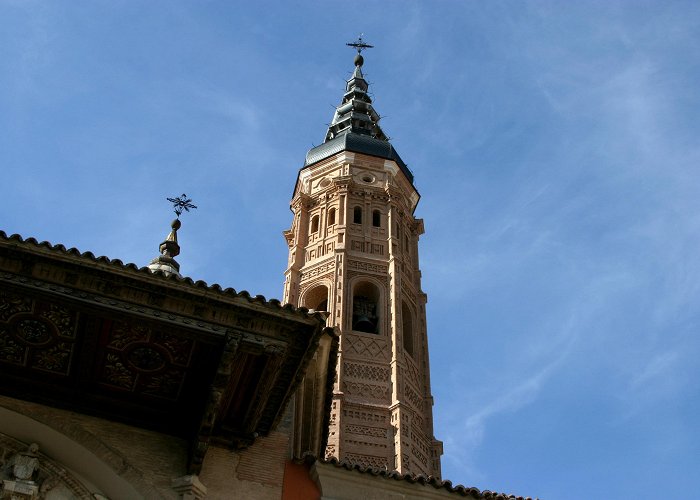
[[181, 203], [359, 44]]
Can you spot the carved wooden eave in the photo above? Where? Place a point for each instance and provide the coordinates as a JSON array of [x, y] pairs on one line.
[[99, 337]]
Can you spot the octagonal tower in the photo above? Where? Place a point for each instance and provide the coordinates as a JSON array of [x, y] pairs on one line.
[[353, 252]]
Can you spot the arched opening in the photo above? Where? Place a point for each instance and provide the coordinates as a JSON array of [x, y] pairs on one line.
[[376, 218], [357, 215], [314, 224], [365, 308], [407, 328], [331, 216], [316, 298]]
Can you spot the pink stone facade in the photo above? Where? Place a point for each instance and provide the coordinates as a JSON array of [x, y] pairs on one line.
[[353, 252]]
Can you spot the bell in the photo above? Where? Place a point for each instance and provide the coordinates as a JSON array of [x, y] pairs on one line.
[[364, 324]]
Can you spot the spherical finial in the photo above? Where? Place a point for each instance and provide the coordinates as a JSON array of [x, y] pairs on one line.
[[359, 60], [176, 224]]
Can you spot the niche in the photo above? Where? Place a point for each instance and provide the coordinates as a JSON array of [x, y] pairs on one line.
[[376, 218], [357, 215], [407, 330], [314, 224]]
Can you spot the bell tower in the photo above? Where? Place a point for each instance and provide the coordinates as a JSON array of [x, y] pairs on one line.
[[353, 252]]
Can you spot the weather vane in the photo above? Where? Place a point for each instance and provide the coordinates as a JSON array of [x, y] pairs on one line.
[[359, 44], [181, 203]]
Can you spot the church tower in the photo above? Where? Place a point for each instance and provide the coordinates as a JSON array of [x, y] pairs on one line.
[[353, 252]]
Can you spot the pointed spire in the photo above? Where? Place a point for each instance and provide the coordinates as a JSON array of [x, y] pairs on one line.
[[355, 114], [170, 248], [355, 125]]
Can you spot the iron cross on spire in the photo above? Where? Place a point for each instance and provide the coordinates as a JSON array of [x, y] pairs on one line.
[[181, 203], [359, 44]]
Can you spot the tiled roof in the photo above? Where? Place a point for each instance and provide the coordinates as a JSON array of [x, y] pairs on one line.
[[117, 265], [412, 478], [359, 144]]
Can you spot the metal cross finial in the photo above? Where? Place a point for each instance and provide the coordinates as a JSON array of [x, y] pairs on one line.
[[181, 203], [359, 44]]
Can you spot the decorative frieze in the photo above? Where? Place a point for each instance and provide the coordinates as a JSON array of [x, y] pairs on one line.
[[362, 415], [319, 269], [375, 348], [369, 391], [412, 397], [367, 460], [368, 267], [366, 430], [366, 247], [411, 371], [367, 372]]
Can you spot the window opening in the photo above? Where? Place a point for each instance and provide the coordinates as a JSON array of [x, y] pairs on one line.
[[376, 218], [357, 215]]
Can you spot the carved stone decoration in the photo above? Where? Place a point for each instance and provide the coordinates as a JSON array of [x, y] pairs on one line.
[[189, 487], [372, 348], [367, 372], [27, 474], [366, 391], [369, 461]]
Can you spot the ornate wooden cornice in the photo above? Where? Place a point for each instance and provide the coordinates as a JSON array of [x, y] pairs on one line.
[[95, 336]]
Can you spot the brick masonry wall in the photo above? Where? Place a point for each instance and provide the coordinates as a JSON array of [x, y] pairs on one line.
[[254, 473], [146, 459]]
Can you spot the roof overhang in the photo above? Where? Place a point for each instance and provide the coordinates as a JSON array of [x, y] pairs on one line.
[[98, 337]]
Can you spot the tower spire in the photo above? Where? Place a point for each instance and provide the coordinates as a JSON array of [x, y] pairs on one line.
[[355, 114], [169, 248]]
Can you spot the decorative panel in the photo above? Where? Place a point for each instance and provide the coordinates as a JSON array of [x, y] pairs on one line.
[[35, 334], [375, 348], [146, 361]]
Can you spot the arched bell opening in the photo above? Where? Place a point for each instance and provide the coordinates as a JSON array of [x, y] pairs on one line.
[[365, 307], [316, 298]]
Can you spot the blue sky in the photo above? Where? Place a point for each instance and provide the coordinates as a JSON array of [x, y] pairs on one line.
[[555, 146]]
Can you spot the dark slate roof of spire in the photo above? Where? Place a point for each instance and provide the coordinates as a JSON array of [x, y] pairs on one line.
[[355, 126]]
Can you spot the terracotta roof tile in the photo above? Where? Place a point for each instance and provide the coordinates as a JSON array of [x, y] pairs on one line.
[[89, 257], [412, 478]]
